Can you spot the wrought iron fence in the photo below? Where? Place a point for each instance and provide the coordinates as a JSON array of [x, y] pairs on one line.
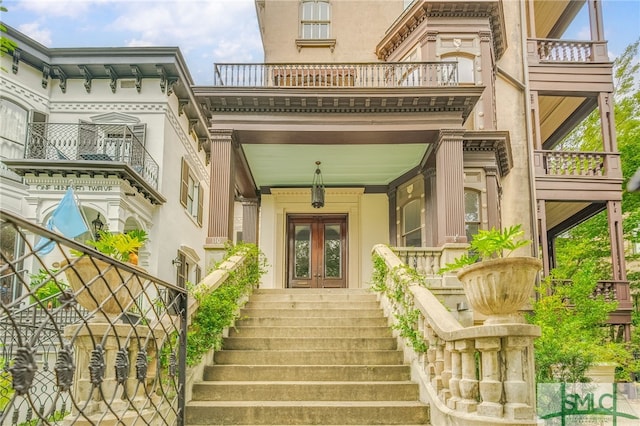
[[350, 75], [85, 339], [91, 142]]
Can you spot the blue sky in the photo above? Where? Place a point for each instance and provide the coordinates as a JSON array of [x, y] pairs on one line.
[[210, 31]]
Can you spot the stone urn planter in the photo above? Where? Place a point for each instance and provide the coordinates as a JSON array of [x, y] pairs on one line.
[[102, 287], [498, 288]]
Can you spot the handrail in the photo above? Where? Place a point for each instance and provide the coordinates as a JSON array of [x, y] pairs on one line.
[[481, 375]]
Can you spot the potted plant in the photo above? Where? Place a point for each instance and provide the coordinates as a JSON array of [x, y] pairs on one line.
[[497, 285], [102, 287]]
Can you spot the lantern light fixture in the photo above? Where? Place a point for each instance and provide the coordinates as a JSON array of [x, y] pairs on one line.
[[317, 188]]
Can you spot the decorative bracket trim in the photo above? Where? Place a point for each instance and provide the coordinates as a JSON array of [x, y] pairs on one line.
[[62, 77], [113, 77], [192, 124], [87, 77], [181, 104], [46, 73], [171, 81], [16, 60], [163, 77], [138, 75]]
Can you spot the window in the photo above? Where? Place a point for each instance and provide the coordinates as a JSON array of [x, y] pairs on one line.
[[471, 213], [315, 20], [13, 121], [191, 192], [412, 224]]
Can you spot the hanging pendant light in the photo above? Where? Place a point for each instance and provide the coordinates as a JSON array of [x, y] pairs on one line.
[[317, 188]]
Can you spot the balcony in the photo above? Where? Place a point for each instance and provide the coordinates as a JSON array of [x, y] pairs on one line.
[[93, 149], [351, 75], [563, 175], [569, 66]]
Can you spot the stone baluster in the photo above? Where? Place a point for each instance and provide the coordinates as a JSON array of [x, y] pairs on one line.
[[516, 389], [468, 383], [456, 375], [445, 393], [436, 381], [490, 384], [431, 355]]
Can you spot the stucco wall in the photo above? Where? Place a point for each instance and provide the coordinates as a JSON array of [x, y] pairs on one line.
[[367, 226]]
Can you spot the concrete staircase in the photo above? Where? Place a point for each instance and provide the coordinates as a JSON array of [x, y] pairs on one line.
[[308, 357]]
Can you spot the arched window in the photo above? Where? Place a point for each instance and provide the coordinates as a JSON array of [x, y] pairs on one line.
[[315, 19], [471, 212], [412, 224], [466, 72]]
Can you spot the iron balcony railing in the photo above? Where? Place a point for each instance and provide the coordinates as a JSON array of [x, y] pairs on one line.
[[91, 142], [343, 75], [88, 340]]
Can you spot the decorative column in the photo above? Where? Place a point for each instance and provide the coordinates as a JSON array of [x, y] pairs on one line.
[[493, 199], [614, 216], [450, 188], [222, 190], [250, 221], [595, 20], [392, 195], [490, 385], [430, 207], [544, 239]]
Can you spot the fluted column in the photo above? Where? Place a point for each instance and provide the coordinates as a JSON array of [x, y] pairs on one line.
[[222, 189], [250, 221], [450, 188]]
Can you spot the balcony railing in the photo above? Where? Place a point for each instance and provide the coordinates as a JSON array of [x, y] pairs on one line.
[[553, 50], [577, 163], [343, 75], [91, 142], [87, 341]]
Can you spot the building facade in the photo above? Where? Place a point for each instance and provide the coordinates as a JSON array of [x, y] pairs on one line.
[[427, 120], [120, 126]]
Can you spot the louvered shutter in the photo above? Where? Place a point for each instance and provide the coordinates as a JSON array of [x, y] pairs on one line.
[[184, 184], [200, 203]]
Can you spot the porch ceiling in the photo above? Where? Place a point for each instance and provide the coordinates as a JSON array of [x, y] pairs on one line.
[[342, 165]]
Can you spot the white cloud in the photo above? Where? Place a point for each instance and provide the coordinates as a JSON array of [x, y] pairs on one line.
[[33, 30], [67, 8]]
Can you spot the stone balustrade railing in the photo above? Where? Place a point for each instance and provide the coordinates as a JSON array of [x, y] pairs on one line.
[[577, 163], [425, 260], [480, 375]]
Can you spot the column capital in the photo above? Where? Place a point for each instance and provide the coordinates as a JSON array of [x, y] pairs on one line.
[[451, 135], [223, 135]]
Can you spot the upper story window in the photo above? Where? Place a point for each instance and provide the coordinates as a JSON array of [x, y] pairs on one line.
[[191, 192], [466, 72], [13, 121], [315, 20], [412, 224], [471, 213]]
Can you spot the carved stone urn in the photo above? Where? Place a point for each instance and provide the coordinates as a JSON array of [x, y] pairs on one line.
[[102, 287], [499, 288]]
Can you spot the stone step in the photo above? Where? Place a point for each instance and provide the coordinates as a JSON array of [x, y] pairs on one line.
[[342, 292], [356, 373], [306, 412], [311, 313], [312, 321], [309, 304], [309, 331], [305, 391], [309, 343], [319, 357], [313, 297]]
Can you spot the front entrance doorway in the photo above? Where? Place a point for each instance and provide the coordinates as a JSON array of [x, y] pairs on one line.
[[316, 251]]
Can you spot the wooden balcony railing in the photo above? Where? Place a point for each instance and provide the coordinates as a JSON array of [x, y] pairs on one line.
[[577, 163], [554, 50], [91, 142], [352, 75]]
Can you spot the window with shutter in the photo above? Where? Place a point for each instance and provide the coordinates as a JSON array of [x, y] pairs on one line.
[[184, 186], [200, 201], [191, 193]]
